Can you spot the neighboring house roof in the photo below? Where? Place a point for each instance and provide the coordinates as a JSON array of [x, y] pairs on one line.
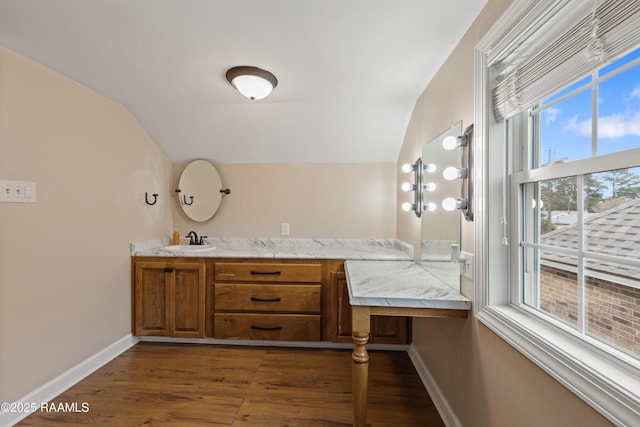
[[612, 232], [563, 217]]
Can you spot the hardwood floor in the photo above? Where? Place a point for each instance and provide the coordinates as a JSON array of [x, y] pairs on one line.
[[196, 385]]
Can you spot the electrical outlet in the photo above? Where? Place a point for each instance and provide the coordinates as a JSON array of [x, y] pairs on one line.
[[284, 229], [466, 265]]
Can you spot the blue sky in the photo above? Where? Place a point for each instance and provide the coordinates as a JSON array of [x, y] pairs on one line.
[[618, 117]]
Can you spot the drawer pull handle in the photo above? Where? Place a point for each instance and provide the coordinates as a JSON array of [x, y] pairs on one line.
[[256, 299], [168, 270], [265, 273], [260, 328]]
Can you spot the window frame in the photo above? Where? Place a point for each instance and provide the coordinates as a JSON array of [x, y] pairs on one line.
[[610, 384], [578, 168]]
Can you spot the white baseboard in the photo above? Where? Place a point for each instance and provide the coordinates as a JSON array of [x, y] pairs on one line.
[[441, 403], [53, 388]]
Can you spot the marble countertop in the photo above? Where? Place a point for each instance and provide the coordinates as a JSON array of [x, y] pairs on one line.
[[281, 248], [402, 284]]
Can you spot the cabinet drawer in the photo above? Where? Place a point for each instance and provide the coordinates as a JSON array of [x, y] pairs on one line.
[[281, 327], [264, 272], [267, 297]]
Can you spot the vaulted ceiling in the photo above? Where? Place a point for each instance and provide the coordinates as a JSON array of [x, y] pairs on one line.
[[349, 71]]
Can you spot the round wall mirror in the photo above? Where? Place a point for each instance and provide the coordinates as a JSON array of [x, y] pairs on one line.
[[199, 194]]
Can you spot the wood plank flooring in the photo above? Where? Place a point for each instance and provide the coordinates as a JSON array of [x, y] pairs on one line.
[[187, 385]]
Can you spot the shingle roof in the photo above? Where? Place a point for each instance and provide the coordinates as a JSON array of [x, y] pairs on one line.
[[613, 232]]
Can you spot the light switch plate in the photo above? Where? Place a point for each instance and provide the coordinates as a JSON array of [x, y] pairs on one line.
[[17, 191]]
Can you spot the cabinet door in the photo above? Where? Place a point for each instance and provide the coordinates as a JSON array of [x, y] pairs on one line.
[[390, 329], [339, 311], [151, 310], [384, 329], [169, 299], [186, 300]]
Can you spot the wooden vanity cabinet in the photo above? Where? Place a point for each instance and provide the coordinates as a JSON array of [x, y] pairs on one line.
[[384, 329], [268, 300], [250, 299], [169, 297]]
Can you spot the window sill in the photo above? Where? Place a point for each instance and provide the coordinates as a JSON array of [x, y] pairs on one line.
[[611, 386]]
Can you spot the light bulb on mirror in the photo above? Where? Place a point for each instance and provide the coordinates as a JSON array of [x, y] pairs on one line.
[[429, 168], [449, 204], [406, 186], [429, 207], [407, 167], [406, 206], [429, 186], [452, 173], [450, 142]]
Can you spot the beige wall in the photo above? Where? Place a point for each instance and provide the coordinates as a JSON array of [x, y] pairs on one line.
[[486, 381], [64, 261], [317, 200]]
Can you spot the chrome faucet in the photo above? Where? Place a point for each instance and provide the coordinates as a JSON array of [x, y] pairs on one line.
[[193, 238]]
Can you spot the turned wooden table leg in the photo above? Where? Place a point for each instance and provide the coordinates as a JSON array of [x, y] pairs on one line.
[[360, 368]]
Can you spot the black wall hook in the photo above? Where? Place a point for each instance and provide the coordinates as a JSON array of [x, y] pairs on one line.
[[155, 198], [185, 200], [226, 191]]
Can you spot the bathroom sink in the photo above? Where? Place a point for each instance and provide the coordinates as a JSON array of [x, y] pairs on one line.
[[187, 248]]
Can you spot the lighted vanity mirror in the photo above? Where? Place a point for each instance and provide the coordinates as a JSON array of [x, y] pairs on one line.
[[199, 190], [440, 228]]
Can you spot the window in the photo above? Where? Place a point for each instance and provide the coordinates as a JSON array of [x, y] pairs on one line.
[[578, 246], [557, 176]]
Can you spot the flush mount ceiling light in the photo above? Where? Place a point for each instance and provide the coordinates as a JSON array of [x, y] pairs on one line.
[[252, 82]]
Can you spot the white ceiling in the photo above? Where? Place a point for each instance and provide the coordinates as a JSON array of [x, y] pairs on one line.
[[349, 71]]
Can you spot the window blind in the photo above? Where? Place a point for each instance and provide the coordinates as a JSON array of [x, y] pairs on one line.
[[607, 31]]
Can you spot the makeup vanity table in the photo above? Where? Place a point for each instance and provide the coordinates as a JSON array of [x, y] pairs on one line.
[[394, 288]]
